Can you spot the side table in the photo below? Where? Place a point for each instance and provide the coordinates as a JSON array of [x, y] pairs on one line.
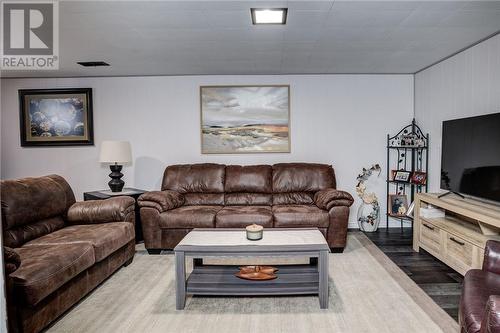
[[127, 191]]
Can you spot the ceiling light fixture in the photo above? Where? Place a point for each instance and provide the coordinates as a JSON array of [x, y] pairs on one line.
[[269, 15]]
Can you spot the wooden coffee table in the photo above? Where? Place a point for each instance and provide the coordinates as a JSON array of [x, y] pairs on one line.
[[305, 279]]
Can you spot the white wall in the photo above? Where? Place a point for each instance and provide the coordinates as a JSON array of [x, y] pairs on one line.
[[337, 119], [467, 84]]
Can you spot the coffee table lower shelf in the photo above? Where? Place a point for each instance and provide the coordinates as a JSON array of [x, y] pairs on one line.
[[220, 280]]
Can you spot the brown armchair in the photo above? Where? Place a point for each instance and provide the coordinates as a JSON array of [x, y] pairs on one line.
[[480, 301]]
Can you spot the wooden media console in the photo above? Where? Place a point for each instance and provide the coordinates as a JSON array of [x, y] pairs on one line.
[[459, 238]]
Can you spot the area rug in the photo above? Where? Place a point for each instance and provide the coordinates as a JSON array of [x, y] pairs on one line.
[[368, 293]]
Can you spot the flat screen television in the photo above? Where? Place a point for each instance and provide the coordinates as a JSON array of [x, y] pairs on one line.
[[470, 158]]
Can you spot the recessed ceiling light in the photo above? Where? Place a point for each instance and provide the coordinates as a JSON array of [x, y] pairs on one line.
[[92, 63], [269, 15]]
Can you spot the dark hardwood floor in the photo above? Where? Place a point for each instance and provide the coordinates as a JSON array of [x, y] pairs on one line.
[[439, 281]]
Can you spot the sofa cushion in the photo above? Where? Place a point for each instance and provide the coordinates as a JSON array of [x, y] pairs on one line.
[[17, 236], [241, 216], [255, 199], [248, 179], [211, 199], [189, 217], [300, 216], [45, 268], [477, 287], [293, 198], [106, 238], [194, 178], [33, 201], [302, 177]]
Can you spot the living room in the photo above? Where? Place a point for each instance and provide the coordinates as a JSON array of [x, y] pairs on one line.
[[211, 166]]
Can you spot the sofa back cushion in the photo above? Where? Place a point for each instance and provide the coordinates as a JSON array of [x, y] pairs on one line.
[[249, 179], [296, 183], [280, 184], [196, 199], [248, 185], [201, 184], [33, 207]]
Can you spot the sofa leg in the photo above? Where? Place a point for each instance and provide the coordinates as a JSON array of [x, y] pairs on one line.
[[128, 262], [154, 251], [337, 249]]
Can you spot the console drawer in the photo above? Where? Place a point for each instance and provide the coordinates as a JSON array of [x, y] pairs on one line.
[[430, 236], [459, 253]]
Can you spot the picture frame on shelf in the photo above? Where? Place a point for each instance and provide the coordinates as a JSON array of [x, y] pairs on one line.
[[419, 178], [56, 117], [402, 176], [398, 205]]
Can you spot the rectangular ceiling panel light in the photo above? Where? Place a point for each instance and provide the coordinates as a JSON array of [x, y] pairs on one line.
[[269, 15]]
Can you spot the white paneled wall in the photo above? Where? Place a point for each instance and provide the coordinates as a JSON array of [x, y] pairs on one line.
[[466, 84], [337, 119]]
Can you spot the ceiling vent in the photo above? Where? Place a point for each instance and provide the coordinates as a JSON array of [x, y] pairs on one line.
[[92, 63]]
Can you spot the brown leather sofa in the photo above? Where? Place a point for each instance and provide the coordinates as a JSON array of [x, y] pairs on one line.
[[55, 250], [285, 195], [480, 301]]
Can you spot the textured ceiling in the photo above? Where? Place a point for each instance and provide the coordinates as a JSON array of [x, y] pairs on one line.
[[217, 37]]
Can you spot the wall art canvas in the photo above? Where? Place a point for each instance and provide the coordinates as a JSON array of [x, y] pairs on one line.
[[245, 119], [56, 117]]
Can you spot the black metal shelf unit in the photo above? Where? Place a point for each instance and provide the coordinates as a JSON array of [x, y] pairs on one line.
[[406, 157]]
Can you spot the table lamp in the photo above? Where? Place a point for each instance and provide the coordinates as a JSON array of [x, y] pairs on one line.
[[115, 153]]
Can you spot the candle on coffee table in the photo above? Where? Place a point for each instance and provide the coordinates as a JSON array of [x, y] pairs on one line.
[[254, 232]]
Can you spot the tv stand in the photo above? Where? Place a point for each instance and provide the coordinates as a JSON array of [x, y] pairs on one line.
[[458, 239], [450, 192]]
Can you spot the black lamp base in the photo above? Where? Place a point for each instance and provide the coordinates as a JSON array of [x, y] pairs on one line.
[[116, 184]]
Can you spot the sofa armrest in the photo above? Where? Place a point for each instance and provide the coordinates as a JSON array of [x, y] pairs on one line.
[[491, 317], [491, 261], [12, 260], [116, 209], [328, 198], [161, 200]]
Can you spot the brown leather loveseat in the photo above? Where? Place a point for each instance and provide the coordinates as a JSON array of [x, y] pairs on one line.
[[285, 195], [480, 302], [56, 250]]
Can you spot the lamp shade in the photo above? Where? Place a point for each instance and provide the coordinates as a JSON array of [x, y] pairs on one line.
[[115, 152]]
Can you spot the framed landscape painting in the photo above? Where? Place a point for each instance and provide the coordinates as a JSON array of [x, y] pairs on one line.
[[56, 117], [245, 119]]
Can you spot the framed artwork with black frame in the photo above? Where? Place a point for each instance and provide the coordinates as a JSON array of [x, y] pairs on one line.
[[56, 117]]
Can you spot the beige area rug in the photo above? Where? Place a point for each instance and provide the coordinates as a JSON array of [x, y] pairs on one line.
[[368, 293]]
